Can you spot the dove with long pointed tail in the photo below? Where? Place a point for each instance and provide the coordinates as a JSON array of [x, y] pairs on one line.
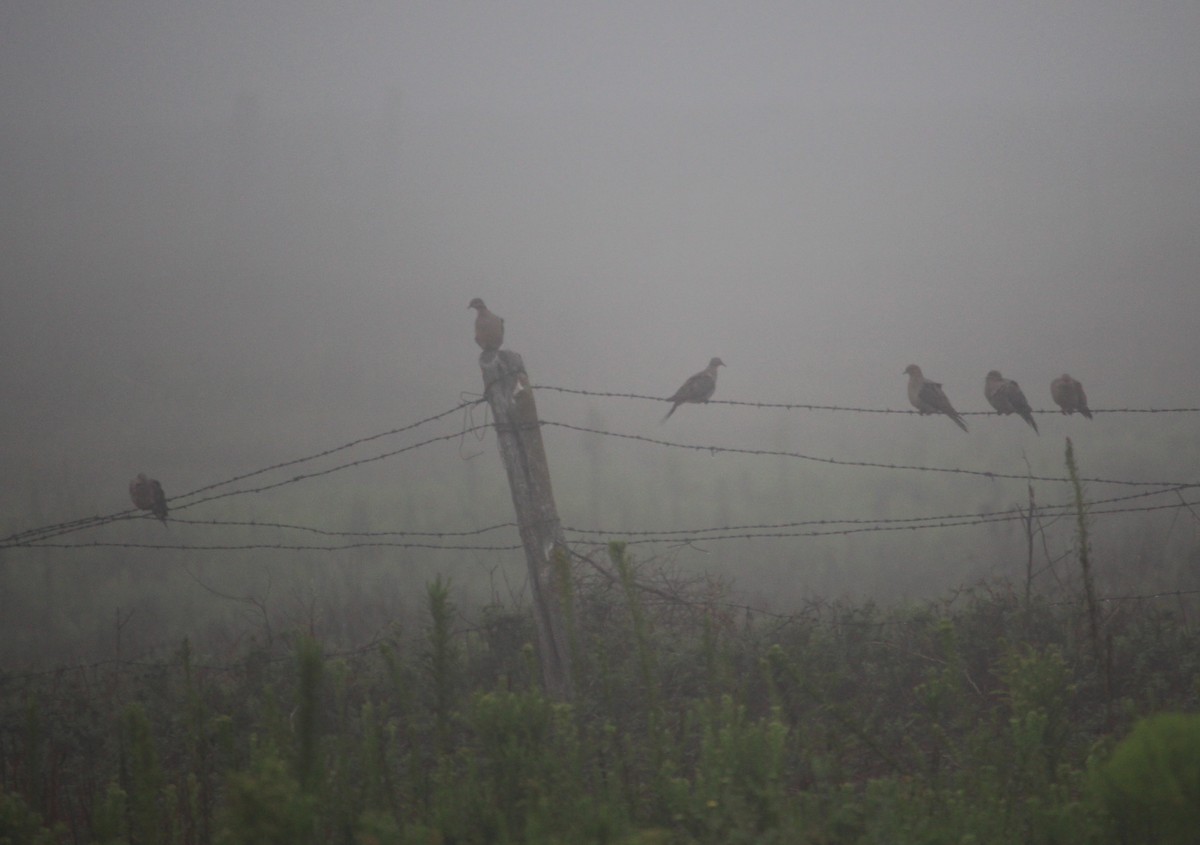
[[928, 397], [698, 388], [1006, 396], [1068, 394]]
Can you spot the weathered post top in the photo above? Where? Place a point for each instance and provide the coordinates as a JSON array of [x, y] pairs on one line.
[[503, 376]]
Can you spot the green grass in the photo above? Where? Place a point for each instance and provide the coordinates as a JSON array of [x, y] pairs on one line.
[[978, 720]]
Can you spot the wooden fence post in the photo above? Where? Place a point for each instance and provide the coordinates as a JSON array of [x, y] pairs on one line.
[[519, 437]]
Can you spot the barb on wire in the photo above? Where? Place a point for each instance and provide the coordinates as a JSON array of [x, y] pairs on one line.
[[329, 470], [1049, 510], [72, 526], [1016, 512], [326, 452], [38, 536], [801, 406], [780, 453], [673, 538], [235, 523], [243, 547]]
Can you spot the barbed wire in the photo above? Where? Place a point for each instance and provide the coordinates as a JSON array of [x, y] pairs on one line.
[[325, 453], [685, 534], [36, 535], [231, 523], [243, 547], [874, 528], [783, 453], [800, 406], [328, 471], [1019, 512], [672, 537], [1048, 510]]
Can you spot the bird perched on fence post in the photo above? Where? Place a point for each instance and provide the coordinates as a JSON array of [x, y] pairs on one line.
[[927, 396], [698, 388], [1068, 394], [489, 329], [147, 494], [1006, 397]]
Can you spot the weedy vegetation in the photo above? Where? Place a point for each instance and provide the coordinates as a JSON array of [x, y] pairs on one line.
[[993, 715]]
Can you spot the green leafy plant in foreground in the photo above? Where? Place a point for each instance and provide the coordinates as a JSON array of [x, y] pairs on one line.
[[980, 721], [1150, 786]]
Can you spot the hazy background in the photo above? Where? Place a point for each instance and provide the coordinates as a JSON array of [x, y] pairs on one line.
[[235, 234]]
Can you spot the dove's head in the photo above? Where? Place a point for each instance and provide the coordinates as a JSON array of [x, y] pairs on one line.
[[912, 370], [716, 362], [994, 375], [477, 304]]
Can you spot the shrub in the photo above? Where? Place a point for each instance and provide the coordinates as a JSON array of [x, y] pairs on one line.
[[1150, 786]]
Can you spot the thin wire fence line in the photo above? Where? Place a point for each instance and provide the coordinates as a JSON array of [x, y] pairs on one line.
[[669, 538], [328, 533], [800, 406], [59, 529], [327, 452], [330, 470], [37, 542], [782, 453], [871, 529], [70, 526], [234, 547], [1045, 511], [78, 525]]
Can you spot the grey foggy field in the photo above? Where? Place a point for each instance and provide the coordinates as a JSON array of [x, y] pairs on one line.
[[233, 238], [236, 237]]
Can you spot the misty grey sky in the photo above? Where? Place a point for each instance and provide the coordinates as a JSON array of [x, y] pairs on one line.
[[138, 61], [246, 231]]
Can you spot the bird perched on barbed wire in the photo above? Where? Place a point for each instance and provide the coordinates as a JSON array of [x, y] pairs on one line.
[[489, 329], [698, 388], [927, 396], [1006, 396], [147, 494], [1068, 394]]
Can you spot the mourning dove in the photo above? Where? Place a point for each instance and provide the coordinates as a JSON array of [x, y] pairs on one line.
[[1006, 397], [489, 329], [927, 396], [1068, 394], [147, 495], [698, 388]]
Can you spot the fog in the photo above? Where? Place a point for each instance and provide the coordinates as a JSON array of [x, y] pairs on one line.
[[236, 235]]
